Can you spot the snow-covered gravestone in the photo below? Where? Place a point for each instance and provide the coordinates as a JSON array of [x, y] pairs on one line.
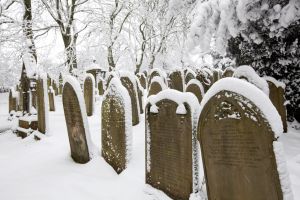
[[129, 82], [157, 85], [228, 72], [12, 106], [194, 86], [204, 80], [142, 79], [171, 150], [116, 126], [176, 81], [189, 75], [215, 75], [238, 130], [100, 87], [157, 72], [51, 95], [42, 103], [76, 120], [88, 88], [140, 94], [276, 95]]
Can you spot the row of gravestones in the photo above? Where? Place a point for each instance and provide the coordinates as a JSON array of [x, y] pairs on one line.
[[199, 84]]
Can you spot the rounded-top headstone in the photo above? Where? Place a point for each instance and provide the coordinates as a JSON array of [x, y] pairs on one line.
[[156, 86], [176, 81], [194, 86], [238, 137], [228, 72]]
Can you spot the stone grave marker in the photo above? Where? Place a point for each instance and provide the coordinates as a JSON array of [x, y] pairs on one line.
[[202, 77], [194, 86], [237, 141], [228, 72], [116, 126], [170, 141], [51, 95], [276, 95], [176, 81], [100, 87], [76, 120], [89, 96], [42, 104], [12, 105], [142, 80], [140, 95], [156, 86], [189, 76], [128, 81]]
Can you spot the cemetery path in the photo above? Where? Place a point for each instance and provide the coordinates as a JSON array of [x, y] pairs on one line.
[[43, 169]]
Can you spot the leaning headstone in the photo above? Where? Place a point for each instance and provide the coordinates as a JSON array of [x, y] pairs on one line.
[[156, 86], [194, 86], [171, 147], [76, 120], [238, 132], [129, 82], [42, 104], [89, 94], [176, 81], [12, 100], [116, 126], [51, 95], [276, 95]]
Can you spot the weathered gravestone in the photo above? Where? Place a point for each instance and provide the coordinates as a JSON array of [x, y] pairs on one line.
[[100, 87], [142, 79], [156, 86], [171, 143], [116, 126], [276, 95], [140, 93], [189, 75], [176, 81], [237, 141], [204, 80], [42, 104], [12, 106], [215, 75], [157, 72], [128, 81], [88, 88], [194, 86], [76, 120], [228, 72], [51, 95]]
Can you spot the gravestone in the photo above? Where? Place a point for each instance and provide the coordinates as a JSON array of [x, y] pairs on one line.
[[139, 90], [42, 104], [142, 80], [20, 103], [131, 88], [76, 120], [277, 97], [34, 98], [215, 75], [100, 87], [169, 146], [116, 126], [237, 145], [12, 100], [60, 84], [51, 99], [156, 86], [189, 76], [176, 81], [195, 87], [228, 72], [89, 98], [202, 77]]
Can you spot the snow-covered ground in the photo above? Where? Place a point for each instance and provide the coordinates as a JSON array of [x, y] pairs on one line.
[[43, 169]]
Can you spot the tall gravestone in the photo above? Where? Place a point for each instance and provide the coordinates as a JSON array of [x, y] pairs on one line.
[[236, 142], [100, 87], [76, 120], [277, 97], [131, 88], [51, 95], [170, 141], [176, 81], [195, 87], [116, 126], [12, 100], [89, 98], [139, 90], [42, 104]]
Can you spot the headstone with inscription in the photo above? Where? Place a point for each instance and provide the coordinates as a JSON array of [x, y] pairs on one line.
[[194, 86], [128, 81], [89, 96], [170, 143], [176, 81], [116, 126], [76, 120], [238, 143], [276, 95]]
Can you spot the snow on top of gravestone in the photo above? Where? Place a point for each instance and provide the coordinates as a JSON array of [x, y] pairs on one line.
[[196, 82], [273, 80], [116, 88], [160, 81], [159, 71], [248, 72], [30, 65], [189, 70], [76, 86], [248, 90]]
